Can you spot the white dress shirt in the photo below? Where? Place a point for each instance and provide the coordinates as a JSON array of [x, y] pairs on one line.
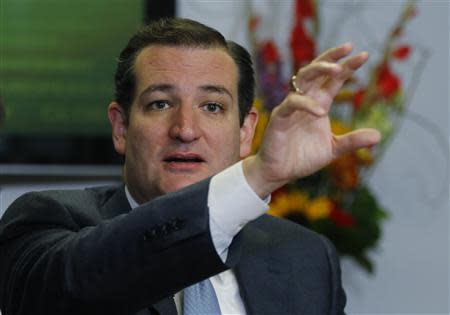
[[232, 203]]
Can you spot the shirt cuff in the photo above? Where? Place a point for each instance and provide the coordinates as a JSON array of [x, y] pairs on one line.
[[232, 204]]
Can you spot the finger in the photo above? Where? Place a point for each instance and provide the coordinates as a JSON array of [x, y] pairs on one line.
[[298, 102], [360, 138], [332, 70], [348, 67], [355, 62], [317, 69], [336, 53]]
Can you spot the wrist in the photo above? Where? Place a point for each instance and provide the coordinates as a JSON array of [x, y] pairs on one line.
[[257, 178]]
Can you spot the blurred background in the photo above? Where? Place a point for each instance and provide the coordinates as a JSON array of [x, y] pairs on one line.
[[57, 60]]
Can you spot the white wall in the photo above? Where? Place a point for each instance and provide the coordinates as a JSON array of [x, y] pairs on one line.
[[15, 180], [412, 260]]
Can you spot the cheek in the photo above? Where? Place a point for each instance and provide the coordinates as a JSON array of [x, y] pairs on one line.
[[226, 144], [143, 142]]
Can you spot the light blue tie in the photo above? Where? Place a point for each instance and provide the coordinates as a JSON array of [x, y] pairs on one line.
[[200, 299]]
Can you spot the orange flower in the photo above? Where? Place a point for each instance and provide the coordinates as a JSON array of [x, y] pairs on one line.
[[339, 128], [344, 95], [319, 208], [253, 23], [344, 171], [364, 156], [284, 203]]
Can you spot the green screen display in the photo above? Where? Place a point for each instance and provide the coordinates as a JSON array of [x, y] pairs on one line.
[[57, 63]]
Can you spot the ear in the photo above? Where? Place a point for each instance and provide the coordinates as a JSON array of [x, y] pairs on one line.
[[247, 132], [118, 120]]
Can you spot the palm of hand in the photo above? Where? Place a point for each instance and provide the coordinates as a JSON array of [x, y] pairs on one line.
[[298, 140]]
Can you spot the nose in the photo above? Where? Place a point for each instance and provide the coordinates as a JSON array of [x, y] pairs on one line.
[[184, 126]]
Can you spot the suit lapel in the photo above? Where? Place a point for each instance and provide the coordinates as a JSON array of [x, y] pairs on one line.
[[115, 204], [165, 307], [264, 278]]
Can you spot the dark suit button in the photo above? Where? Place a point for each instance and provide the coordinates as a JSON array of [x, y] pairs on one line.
[[173, 225], [164, 230], [150, 234], [177, 224]]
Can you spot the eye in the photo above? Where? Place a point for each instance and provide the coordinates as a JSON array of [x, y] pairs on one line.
[[158, 105], [212, 107]]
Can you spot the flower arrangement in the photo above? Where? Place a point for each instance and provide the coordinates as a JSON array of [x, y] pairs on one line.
[[336, 201]]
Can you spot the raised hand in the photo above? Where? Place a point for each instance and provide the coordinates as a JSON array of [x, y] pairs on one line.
[[298, 140]]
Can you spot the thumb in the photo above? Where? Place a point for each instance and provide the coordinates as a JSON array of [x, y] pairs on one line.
[[360, 138]]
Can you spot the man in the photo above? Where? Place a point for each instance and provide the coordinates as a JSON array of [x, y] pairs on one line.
[[189, 210]]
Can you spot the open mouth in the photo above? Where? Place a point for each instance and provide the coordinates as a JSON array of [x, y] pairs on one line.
[[184, 158]]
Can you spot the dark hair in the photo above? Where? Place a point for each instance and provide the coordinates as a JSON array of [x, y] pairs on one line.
[[185, 33]]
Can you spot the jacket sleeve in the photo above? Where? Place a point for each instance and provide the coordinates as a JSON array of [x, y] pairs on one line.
[[338, 297], [52, 264]]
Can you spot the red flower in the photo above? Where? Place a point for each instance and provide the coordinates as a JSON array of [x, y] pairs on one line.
[[304, 8], [402, 52], [341, 218], [270, 53], [302, 46], [388, 83], [358, 98]]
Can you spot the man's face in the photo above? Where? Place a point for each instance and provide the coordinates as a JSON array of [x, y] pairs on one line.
[[183, 124]]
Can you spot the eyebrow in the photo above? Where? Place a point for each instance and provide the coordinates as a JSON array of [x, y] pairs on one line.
[[219, 89], [157, 88], [165, 87]]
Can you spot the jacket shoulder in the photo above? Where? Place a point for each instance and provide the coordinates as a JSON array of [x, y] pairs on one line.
[[297, 241], [73, 207], [311, 255], [282, 228]]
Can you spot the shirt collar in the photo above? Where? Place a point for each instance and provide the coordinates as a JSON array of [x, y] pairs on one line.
[[133, 203]]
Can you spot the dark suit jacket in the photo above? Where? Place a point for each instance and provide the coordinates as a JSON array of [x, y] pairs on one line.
[[85, 252]]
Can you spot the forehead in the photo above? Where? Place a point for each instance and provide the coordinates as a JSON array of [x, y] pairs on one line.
[[158, 63]]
